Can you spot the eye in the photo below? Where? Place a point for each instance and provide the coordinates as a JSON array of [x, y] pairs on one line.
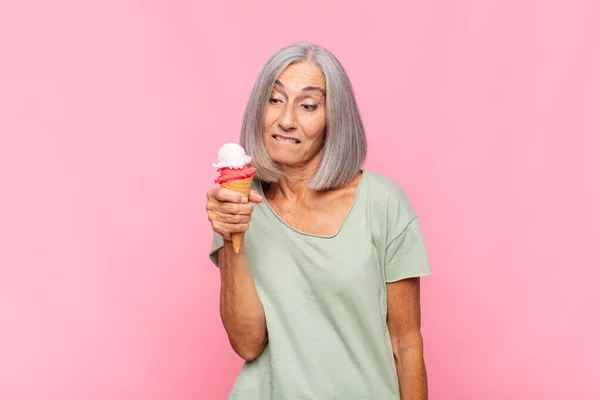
[[273, 100], [309, 107]]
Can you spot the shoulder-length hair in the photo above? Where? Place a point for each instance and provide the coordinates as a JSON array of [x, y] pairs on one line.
[[345, 144]]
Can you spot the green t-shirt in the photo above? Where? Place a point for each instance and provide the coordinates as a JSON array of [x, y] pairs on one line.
[[325, 298]]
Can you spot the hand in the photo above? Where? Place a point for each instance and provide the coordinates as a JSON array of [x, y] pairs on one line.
[[230, 212]]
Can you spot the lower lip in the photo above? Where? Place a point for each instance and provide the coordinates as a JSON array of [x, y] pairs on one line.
[[285, 141]]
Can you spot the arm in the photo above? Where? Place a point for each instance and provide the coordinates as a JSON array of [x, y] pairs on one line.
[[242, 312], [404, 322]]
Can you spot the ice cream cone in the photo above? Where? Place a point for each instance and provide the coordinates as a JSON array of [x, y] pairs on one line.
[[241, 186], [235, 174]]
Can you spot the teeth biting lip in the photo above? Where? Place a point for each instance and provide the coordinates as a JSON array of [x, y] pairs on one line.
[[285, 138]]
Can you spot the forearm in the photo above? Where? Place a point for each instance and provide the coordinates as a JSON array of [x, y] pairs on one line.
[[242, 312], [412, 374]]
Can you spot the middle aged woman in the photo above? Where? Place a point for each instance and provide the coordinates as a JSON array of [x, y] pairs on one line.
[[322, 300]]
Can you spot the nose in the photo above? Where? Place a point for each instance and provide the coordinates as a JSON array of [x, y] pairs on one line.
[[287, 120]]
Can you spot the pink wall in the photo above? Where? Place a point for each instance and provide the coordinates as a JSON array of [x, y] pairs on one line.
[[487, 112]]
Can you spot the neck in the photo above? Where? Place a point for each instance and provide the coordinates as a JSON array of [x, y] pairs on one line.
[[295, 185]]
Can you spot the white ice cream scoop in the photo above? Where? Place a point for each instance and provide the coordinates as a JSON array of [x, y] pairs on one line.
[[231, 155]]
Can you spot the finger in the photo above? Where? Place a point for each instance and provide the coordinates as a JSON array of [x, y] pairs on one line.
[[232, 218], [230, 228], [229, 196], [232, 208], [254, 197]]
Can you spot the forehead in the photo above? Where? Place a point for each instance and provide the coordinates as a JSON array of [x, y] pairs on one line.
[[298, 76]]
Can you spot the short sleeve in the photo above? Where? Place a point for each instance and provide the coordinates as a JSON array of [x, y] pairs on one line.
[[217, 243], [406, 255]]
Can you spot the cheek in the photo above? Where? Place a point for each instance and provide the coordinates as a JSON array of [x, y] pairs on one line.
[[315, 128], [270, 117]]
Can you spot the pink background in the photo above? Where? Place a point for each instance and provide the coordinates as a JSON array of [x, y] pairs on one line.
[[486, 112]]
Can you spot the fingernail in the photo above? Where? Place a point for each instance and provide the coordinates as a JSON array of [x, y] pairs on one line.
[[244, 199]]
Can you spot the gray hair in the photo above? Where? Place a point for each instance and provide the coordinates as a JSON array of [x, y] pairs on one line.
[[345, 143]]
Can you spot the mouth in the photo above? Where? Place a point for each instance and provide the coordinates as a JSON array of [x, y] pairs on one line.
[[285, 139]]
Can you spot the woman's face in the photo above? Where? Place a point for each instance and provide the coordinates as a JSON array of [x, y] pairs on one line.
[[294, 123]]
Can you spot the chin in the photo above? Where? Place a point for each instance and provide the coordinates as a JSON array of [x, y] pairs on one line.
[[281, 157], [286, 161], [289, 159]]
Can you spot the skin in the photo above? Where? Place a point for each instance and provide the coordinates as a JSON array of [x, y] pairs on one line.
[[404, 323], [296, 112]]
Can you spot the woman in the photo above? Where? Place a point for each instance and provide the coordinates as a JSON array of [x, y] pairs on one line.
[[322, 300]]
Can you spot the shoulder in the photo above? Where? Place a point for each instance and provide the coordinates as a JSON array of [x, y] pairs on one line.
[[388, 202], [384, 189]]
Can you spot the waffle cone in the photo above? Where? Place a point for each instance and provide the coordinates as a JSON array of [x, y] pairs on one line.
[[241, 186]]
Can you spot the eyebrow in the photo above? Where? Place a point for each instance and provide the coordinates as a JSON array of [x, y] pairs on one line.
[[306, 89]]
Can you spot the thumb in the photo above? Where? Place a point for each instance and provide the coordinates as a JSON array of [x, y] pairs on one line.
[[254, 197]]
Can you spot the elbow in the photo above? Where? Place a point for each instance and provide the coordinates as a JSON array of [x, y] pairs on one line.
[[249, 349], [409, 341], [395, 348], [249, 353], [247, 340]]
